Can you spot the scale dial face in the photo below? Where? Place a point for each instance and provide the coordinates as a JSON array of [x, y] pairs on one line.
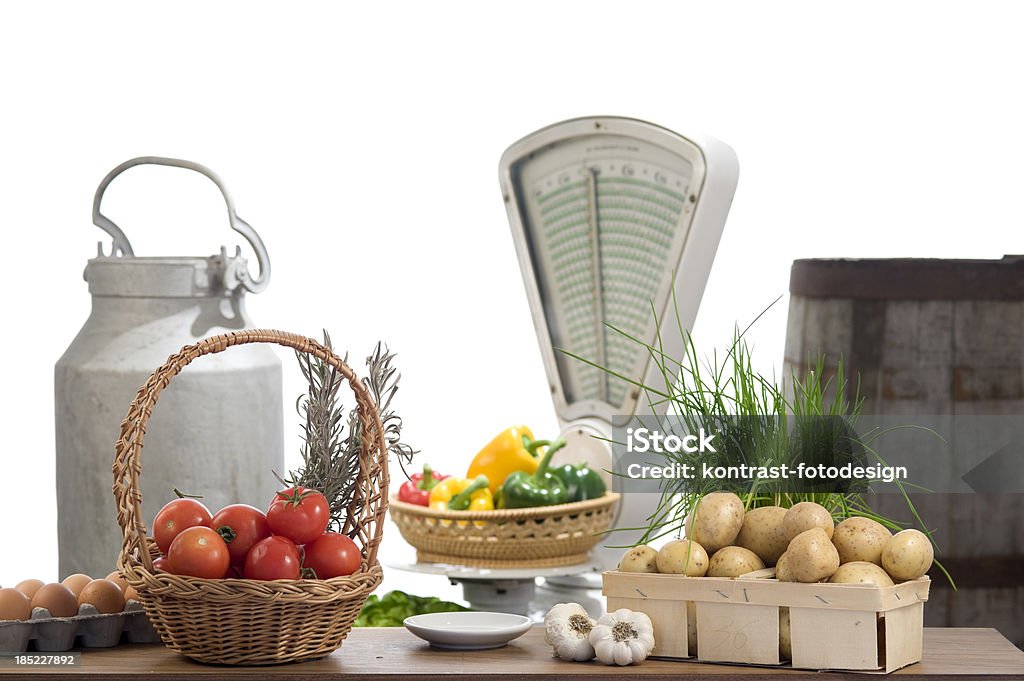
[[604, 207]]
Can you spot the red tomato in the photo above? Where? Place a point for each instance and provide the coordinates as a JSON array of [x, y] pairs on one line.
[[176, 516], [161, 564], [199, 552], [273, 558], [332, 555], [298, 513], [241, 526]]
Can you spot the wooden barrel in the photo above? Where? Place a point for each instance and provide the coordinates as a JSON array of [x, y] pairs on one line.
[[931, 337]]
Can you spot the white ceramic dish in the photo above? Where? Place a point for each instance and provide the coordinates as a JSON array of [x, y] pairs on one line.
[[468, 630]]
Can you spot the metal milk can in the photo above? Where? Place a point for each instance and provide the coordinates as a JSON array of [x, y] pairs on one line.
[[218, 431]]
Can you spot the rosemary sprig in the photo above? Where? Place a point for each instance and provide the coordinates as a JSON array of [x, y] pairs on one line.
[[383, 385], [330, 436]]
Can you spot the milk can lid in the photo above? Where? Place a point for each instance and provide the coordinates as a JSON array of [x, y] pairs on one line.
[[165, 277]]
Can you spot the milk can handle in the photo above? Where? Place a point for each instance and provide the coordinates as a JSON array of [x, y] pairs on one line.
[[123, 247]]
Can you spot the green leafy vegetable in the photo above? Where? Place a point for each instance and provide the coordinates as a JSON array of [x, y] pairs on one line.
[[392, 609]]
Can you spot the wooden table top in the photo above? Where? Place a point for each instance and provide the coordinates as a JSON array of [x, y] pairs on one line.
[[386, 654]]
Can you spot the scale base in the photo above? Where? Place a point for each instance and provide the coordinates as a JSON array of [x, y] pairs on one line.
[[498, 595], [529, 592], [527, 596]]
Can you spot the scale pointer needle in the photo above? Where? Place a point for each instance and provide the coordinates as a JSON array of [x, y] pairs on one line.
[[596, 267]]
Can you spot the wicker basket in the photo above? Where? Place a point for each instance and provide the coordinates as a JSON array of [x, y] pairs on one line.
[[545, 536], [242, 621]]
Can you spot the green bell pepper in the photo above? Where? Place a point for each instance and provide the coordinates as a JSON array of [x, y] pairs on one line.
[[523, 490], [581, 481]]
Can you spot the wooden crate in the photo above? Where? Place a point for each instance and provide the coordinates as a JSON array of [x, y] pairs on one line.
[[850, 627]]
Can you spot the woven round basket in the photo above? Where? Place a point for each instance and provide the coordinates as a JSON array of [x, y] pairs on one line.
[[243, 621], [545, 536]]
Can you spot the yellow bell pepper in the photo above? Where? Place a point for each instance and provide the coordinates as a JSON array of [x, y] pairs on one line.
[[503, 456]]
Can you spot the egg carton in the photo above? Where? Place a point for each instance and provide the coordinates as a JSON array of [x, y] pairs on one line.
[[87, 629]]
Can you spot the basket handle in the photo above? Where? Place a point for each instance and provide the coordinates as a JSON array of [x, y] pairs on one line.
[[366, 514]]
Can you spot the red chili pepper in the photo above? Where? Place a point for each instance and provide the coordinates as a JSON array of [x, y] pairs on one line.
[[416, 490]]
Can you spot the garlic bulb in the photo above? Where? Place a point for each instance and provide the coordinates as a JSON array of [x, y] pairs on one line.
[[566, 628], [623, 637]]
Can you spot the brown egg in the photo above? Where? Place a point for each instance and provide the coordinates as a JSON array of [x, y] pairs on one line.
[[29, 587], [116, 578], [130, 594], [58, 599], [103, 595], [76, 582], [14, 605]]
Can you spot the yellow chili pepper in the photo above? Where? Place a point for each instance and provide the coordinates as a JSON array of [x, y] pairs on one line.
[[481, 501], [462, 494], [504, 455]]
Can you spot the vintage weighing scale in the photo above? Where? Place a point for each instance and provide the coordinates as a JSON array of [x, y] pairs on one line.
[[612, 219]]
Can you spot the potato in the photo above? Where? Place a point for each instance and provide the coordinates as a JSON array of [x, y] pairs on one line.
[[719, 517], [785, 635], [907, 555], [683, 557], [860, 572], [782, 571], [805, 515], [639, 559], [811, 557], [733, 561], [860, 539], [762, 533], [691, 628]]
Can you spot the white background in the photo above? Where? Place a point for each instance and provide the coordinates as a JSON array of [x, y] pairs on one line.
[[362, 142]]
